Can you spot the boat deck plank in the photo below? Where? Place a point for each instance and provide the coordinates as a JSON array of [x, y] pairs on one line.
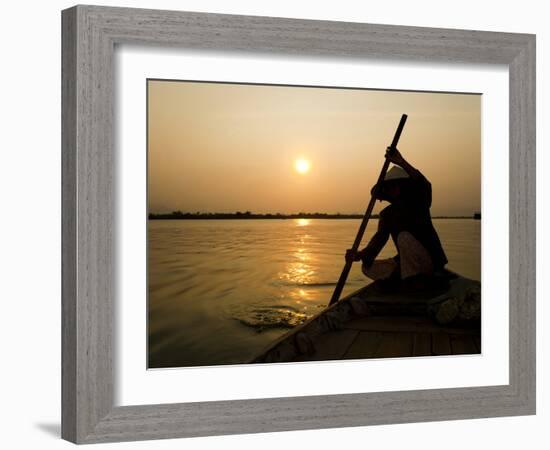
[[330, 346], [422, 344], [365, 345], [441, 344], [395, 345], [392, 337], [403, 324], [463, 345]]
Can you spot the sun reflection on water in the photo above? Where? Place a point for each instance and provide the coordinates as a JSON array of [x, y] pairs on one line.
[[300, 270], [302, 255], [299, 273]]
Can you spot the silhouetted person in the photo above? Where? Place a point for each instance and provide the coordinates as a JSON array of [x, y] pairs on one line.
[[407, 220]]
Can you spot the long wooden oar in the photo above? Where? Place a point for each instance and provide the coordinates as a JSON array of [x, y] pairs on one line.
[[347, 267]]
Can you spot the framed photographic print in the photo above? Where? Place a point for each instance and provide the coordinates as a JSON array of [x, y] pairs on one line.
[[256, 209]]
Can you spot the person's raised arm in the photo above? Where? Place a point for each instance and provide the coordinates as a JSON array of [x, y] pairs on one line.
[[395, 156]]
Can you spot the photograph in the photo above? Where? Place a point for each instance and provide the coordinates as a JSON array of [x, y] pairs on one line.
[[290, 224]]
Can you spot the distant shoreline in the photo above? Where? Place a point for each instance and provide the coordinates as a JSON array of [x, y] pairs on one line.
[[178, 215]]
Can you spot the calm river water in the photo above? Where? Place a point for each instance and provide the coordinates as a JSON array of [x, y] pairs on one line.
[[221, 290]]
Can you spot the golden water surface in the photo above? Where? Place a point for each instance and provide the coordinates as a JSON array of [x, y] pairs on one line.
[[219, 291]]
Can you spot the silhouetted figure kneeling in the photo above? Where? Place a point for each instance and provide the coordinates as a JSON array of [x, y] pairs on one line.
[[420, 256]]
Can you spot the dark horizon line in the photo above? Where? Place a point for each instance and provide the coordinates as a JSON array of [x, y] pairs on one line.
[[179, 215]]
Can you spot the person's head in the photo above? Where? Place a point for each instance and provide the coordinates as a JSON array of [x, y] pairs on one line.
[[391, 189]]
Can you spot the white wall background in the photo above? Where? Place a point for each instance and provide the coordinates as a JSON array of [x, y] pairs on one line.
[[30, 235]]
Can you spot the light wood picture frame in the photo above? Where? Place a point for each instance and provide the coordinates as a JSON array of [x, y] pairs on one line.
[[89, 36]]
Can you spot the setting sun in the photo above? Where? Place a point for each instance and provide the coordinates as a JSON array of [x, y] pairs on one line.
[[302, 166]]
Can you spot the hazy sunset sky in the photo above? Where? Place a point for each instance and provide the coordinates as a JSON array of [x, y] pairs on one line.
[[228, 147]]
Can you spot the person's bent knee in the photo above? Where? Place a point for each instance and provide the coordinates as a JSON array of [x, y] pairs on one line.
[[367, 271], [371, 273], [404, 238], [380, 269]]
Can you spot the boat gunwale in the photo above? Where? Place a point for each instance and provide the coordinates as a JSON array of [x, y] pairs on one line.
[[297, 329]]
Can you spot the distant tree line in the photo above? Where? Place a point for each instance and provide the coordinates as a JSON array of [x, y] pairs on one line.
[[179, 215]]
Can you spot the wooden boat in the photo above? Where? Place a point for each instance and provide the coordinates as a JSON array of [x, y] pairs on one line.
[[371, 323]]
